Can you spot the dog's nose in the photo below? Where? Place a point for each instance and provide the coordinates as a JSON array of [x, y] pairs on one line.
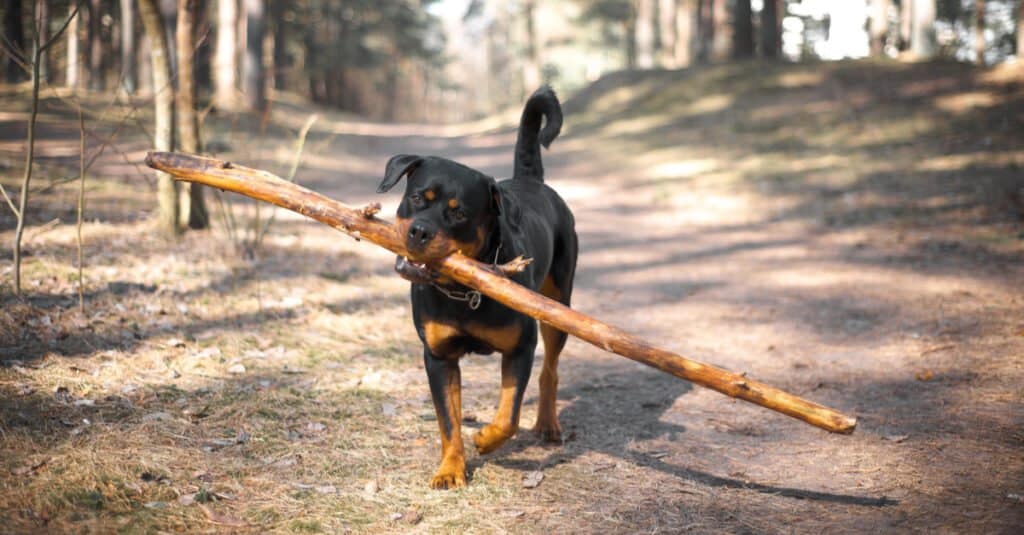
[[419, 235]]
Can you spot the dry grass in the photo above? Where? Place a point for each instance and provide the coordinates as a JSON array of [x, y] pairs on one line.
[[847, 231]]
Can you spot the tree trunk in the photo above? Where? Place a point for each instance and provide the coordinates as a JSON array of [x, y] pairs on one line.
[[163, 96], [686, 30], [225, 64], [979, 32], [193, 210], [705, 34], [1020, 30], [128, 46], [97, 74], [43, 23], [531, 63], [742, 30], [922, 39], [280, 47], [667, 32], [629, 31], [771, 31], [906, 19], [253, 83], [879, 26], [73, 68], [13, 31], [645, 34], [722, 44]]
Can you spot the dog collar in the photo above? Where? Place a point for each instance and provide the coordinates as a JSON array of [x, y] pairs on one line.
[[472, 298]]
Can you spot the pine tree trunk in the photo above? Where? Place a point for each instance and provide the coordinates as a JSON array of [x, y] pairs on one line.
[[280, 48], [128, 62], [1020, 30], [225, 64], [686, 31], [97, 74], [43, 18], [193, 210], [14, 33], [979, 32], [922, 39], [531, 63], [667, 32], [771, 31], [743, 30], [879, 26], [73, 68], [253, 83], [163, 95], [645, 34]]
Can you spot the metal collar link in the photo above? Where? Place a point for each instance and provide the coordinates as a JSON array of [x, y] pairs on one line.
[[472, 298]]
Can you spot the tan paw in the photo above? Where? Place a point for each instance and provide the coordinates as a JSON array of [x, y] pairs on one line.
[[491, 437], [444, 480], [548, 431]]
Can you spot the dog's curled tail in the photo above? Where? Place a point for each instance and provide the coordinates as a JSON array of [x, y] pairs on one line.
[[542, 104]]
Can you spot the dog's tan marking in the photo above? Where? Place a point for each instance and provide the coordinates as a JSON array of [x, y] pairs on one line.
[[547, 407], [503, 339], [452, 472], [430, 195], [439, 338], [496, 433], [453, 203]]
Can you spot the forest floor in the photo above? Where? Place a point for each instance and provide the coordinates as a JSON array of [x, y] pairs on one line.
[[850, 232]]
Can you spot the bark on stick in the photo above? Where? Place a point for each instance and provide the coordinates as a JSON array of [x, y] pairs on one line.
[[361, 224]]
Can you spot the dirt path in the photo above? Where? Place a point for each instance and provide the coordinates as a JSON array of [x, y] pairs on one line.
[[289, 389]]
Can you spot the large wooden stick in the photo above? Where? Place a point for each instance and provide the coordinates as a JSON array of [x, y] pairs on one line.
[[361, 224]]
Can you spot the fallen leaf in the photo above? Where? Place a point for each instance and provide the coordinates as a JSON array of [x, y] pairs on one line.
[[186, 500], [412, 517], [514, 513], [237, 369], [315, 427], [532, 479], [895, 438], [159, 416], [22, 470], [371, 487], [174, 342], [222, 519], [926, 375], [63, 394], [85, 403]]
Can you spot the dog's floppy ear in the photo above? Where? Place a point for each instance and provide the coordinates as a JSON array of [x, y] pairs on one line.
[[397, 168], [507, 211]]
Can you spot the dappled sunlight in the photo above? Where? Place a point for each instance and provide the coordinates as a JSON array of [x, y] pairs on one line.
[[963, 103]]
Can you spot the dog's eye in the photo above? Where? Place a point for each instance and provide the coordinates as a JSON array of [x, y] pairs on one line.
[[416, 199], [457, 215]]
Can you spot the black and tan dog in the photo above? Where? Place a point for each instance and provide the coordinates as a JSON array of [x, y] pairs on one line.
[[449, 207]]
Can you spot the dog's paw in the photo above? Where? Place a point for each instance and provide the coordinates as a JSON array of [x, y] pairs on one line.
[[491, 437], [446, 480], [548, 431]]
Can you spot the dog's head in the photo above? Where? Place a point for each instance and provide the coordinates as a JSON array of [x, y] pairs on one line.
[[447, 207]]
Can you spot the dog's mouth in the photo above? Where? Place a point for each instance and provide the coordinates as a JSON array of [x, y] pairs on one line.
[[415, 272]]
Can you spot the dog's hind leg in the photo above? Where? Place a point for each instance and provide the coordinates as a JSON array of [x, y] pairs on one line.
[[515, 374]]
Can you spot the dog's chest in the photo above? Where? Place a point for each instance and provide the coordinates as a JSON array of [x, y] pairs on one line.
[[451, 339]]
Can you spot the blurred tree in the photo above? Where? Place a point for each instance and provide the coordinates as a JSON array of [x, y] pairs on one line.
[[879, 26], [193, 210], [253, 79], [923, 44], [43, 24], [906, 23], [531, 62], [14, 42], [277, 16], [128, 60], [617, 20], [1020, 30], [979, 32], [771, 29], [225, 64], [163, 101], [73, 62], [685, 32], [645, 24], [95, 43], [742, 30]]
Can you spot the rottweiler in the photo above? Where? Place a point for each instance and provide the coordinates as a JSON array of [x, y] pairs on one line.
[[449, 207]]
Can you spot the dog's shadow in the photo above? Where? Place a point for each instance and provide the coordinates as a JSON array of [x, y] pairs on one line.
[[615, 414]]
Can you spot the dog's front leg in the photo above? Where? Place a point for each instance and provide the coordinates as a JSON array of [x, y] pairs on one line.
[[445, 380], [515, 373]]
